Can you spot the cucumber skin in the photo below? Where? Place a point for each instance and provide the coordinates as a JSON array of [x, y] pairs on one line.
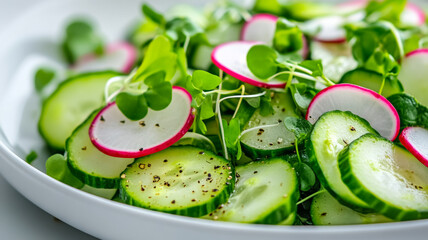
[[50, 145], [313, 163], [93, 181], [262, 154], [360, 191], [195, 211]]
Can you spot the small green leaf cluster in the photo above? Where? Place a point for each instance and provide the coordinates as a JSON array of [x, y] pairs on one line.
[[411, 112], [81, 39]]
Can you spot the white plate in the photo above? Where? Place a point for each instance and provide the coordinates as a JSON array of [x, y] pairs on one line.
[[32, 40]]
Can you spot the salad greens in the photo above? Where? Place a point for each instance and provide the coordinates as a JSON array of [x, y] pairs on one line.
[[227, 105]]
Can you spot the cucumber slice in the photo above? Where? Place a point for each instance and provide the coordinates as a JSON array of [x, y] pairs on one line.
[[326, 210], [70, 105], [290, 220], [331, 133], [201, 57], [183, 180], [273, 141], [266, 192], [100, 192], [196, 140], [337, 58], [90, 165], [387, 177], [372, 80]]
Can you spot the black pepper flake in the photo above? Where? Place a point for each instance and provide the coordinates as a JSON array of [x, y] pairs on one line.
[[157, 125], [255, 172], [352, 129], [149, 165], [237, 175], [102, 118], [283, 109], [215, 190], [212, 195], [167, 184], [123, 121], [193, 200], [84, 148], [204, 191], [270, 144], [156, 178], [209, 174], [141, 149], [142, 123], [279, 121], [216, 167], [142, 188], [142, 165], [165, 160], [180, 171], [208, 179], [173, 201], [323, 214], [345, 141], [260, 132], [211, 158], [201, 152]]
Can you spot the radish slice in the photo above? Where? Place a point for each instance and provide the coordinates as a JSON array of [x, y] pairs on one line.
[[118, 57], [331, 29], [363, 102], [414, 70], [231, 57], [415, 139], [261, 28], [413, 15], [113, 134]]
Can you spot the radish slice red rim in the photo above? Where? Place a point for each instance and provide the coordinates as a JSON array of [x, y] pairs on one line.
[[414, 69], [378, 111], [261, 28], [231, 57], [415, 139], [113, 134], [118, 57]]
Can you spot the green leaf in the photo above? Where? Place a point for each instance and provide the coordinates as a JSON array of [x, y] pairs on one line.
[[315, 66], [261, 61], [299, 126], [42, 78], [288, 37], [160, 96], [389, 10], [205, 80], [153, 15], [159, 57], [302, 95], [306, 176], [57, 168], [253, 102], [206, 110], [132, 105], [31, 157], [410, 111], [180, 29], [232, 131], [266, 105], [80, 39]]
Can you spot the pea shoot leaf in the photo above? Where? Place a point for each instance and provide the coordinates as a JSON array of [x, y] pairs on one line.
[[389, 10], [159, 96], [42, 78], [306, 176], [204, 80], [81, 39], [299, 126], [232, 132], [288, 37], [261, 60], [132, 105], [31, 157], [57, 168], [153, 15]]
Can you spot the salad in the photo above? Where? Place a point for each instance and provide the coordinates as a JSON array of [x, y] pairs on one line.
[[275, 112]]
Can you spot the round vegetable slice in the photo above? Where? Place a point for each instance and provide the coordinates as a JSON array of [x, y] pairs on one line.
[[118, 57], [113, 134], [363, 102], [387, 177], [266, 192], [232, 58], [415, 139], [261, 28], [70, 105], [331, 133], [414, 70], [182, 180]]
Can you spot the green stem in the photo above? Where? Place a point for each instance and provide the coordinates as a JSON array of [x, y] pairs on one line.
[[311, 196], [382, 85], [296, 145]]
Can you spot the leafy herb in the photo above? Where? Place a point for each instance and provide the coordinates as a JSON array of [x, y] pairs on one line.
[[288, 37], [302, 95], [81, 39], [42, 78], [153, 15], [132, 105], [389, 10], [232, 132], [31, 157], [299, 127], [410, 111], [57, 168]]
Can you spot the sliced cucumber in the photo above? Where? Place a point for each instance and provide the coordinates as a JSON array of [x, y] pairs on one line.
[[70, 105], [266, 192], [90, 165], [336, 58], [372, 80], [326, 210], [387, 177], [331, 133], [100, 192], [271, 141], [183, 180], [196, 140], [201, 57]]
